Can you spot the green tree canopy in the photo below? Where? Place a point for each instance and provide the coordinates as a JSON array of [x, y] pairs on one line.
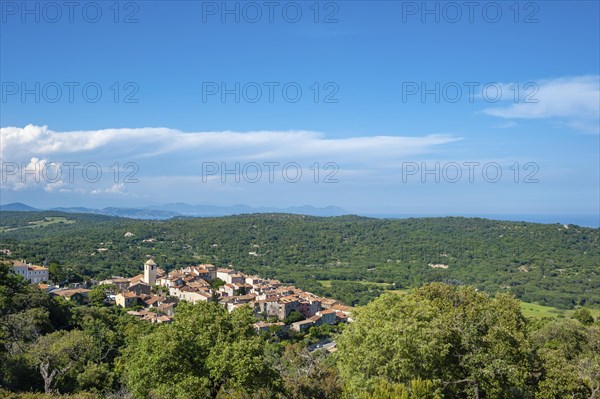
[[97, 296], [204, 351], [584, 316], [57, 353], [466, 342], [569, 355]]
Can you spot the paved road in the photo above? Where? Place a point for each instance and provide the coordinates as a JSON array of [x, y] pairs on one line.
[[324, 344]]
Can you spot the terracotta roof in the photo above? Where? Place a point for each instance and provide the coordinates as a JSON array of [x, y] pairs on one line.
[[136, 313], [29, 265], [299, 323], [71, 292], [136, 278], [138, 283], [116, 280], [154, 299], [228, 271], [342, 308], [199, 284], [246, 297], [128, 294], [19, 263], [328, 311]]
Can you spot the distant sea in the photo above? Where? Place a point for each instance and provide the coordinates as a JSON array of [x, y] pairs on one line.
[[580, 220]]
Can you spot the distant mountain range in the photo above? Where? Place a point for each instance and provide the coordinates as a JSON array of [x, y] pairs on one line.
[[168, 211], [17, 206]]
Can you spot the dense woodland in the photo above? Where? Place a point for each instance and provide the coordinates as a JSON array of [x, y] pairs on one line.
[[550, 264], [439, 341]]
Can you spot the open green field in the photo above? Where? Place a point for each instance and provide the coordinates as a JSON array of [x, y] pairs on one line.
[[47, 221], [50, 220], [535, 310], [540, 311], [327, 283]]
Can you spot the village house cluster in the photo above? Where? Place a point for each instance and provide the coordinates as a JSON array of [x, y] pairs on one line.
[[270, 299], [154, 294]]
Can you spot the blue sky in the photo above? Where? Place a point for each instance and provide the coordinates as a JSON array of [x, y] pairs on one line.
[[371, 126]]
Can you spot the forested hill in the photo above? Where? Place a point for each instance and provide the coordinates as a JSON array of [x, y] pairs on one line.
[[350, 258]]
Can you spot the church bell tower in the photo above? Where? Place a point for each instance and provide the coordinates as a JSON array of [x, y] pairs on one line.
[[150, 272]]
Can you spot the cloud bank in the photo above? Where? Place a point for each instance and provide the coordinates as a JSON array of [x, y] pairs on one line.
[[163, 152], [574, 102]]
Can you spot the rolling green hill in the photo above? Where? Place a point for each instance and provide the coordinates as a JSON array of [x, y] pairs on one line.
[[549, 264]]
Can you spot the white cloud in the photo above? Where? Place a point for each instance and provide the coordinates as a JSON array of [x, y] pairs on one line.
[[575, 101], [171, 154], [53, 177], [21, 143], [31, 173], [117, 188], [50, 187]]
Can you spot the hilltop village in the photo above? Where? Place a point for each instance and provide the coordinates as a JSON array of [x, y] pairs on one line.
[[153, 295]]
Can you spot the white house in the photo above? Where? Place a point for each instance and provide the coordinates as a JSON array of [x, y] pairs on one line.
[[33, 273]]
